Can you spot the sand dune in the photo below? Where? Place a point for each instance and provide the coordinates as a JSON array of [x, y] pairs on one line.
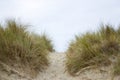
[[56, 71]]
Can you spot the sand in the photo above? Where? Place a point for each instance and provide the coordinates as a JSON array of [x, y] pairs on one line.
[[56, 71]]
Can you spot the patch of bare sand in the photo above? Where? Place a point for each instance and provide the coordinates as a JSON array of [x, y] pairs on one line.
[[8, 73]]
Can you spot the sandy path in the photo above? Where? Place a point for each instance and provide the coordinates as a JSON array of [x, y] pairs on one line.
[[56, 71]]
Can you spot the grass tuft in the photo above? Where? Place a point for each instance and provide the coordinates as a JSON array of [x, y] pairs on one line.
[[23, 51], [93, 49]]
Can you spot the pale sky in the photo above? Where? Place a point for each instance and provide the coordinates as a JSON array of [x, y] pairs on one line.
[[62, 19]]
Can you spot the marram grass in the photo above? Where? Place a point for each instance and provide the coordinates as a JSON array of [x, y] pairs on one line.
[[20, 49], [93, 49]]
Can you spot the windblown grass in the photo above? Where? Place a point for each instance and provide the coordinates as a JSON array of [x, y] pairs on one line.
[[43, 40], [20, 49], [93, 49]]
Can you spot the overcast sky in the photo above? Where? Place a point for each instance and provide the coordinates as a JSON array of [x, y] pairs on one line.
[[62, 19]]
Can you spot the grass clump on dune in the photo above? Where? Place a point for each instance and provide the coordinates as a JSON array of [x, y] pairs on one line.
[[21, 50], [43, 40], [93, 49]]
